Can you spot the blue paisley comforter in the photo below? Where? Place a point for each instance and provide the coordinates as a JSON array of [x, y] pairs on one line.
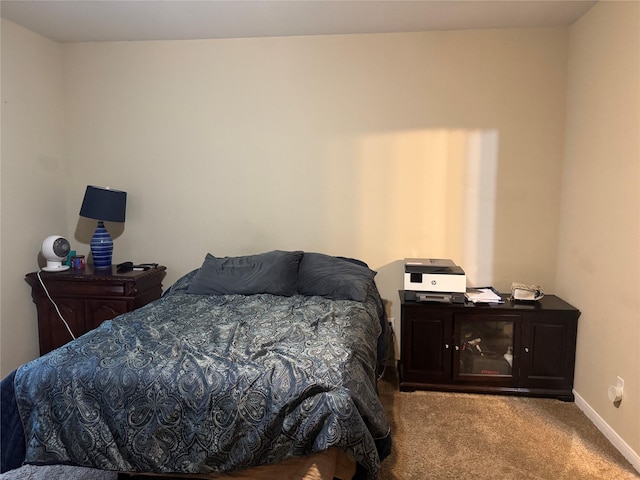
[[205, 383]]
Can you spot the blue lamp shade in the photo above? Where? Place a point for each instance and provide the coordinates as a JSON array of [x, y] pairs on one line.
[[103, 204]]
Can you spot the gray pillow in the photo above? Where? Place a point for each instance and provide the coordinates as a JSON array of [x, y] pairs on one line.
[[333, 277], [273, 272]]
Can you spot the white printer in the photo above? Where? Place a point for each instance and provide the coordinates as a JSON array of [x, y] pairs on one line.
[[435, 276]]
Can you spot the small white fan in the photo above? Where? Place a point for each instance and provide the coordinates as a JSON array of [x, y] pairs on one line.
[[55, 249]]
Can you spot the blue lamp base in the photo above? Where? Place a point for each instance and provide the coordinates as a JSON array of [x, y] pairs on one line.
[[101, 247]]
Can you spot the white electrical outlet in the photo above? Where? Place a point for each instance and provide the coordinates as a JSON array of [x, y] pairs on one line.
[[616, 392]]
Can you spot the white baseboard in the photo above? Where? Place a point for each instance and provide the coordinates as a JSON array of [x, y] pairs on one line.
[[608, 432]]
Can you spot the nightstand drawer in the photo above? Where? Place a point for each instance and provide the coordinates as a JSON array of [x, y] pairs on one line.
[[97, 311]]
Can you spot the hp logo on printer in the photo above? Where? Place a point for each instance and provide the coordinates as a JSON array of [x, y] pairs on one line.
[[433, 282]]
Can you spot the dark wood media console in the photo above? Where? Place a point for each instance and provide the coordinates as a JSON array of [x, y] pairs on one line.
[[518, 348]]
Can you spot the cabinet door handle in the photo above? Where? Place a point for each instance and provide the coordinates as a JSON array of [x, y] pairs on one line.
[[526, 349], [446, 346], [457, 348]]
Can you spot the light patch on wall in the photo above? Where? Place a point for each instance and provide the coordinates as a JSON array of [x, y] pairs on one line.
[[479, 212], [425, 193]]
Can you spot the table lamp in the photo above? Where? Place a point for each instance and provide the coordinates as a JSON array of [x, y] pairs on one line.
[[105, 205]]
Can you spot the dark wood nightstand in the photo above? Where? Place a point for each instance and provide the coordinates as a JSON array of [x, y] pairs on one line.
[[87, 298]]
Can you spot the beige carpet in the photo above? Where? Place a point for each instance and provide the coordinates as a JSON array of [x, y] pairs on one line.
[[441, 436], [467, 436]]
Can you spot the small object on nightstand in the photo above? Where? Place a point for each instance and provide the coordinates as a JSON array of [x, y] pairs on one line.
[[145, 266], [55, 249], [72, 254], [124, 266], [78, 262]]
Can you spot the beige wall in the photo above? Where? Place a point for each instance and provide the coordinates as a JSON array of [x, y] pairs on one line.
[[351, 145], [34, 176], [599, 248]]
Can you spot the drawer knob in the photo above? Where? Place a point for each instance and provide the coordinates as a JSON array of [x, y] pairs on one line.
[[526, 349], [446, 346]]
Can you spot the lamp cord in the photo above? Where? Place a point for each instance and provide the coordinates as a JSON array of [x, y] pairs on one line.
[[56, 306]]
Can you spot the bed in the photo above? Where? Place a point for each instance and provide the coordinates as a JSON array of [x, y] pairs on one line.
[[246, 363]]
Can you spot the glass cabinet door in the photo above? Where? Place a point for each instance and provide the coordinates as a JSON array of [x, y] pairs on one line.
[[484, 346]]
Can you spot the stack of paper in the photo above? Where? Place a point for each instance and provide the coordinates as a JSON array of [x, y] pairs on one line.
[[483, 295]]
